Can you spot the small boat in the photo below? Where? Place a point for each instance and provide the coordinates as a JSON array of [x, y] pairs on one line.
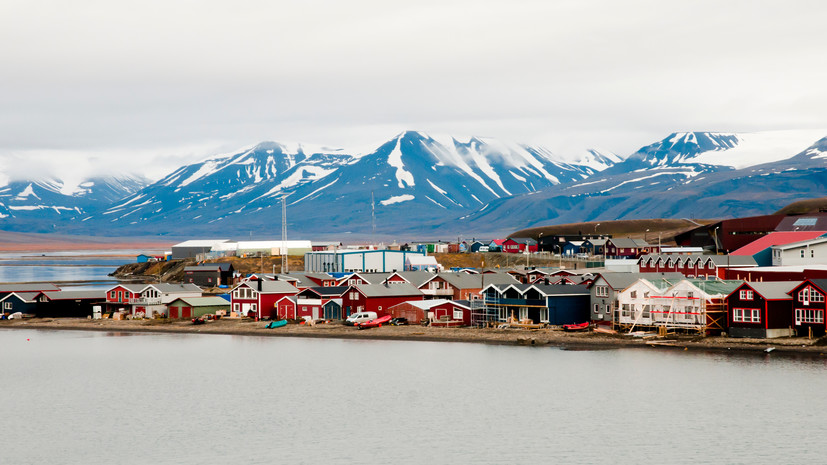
[[576, 327], [377, 323], [276, 324]]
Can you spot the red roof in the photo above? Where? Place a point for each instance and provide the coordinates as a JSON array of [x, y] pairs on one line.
[[777, 238], [499, 241]]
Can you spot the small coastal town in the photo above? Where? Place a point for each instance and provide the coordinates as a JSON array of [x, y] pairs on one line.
[[761, 279]]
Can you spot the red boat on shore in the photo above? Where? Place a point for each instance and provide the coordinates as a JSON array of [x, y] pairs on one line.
[[576, 327], [376, 323]]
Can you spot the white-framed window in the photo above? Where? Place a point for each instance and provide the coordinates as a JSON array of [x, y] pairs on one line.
[[7, 306], [746, 315], [647, 311], [503, 314], [633, 294], [254, 307], [596, 308], [601, 291], [809, 294], [544, 315], [745, 294], [236, 307], [457, 313], [523, 313], [625, 311], [802, 253], [808, 315]]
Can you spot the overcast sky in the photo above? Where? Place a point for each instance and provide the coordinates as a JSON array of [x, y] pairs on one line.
[[150, 85]]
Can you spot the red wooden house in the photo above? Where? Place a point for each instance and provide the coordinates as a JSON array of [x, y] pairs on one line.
[[695, 266], [809, 307], [443, 312], [621, 247], [760, 310], [258, 297], [519, 245], [378, 297]]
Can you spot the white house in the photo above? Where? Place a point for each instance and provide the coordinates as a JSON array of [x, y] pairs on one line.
[[810, 252]]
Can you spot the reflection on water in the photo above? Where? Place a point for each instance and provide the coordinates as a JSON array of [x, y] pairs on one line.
[[92, 398], [75, 269]]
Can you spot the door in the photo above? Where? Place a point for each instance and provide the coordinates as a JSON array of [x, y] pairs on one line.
[[186, 312], [315, 312], [173, 312]]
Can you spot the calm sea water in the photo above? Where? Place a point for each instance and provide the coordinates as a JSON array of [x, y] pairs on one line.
[[98, 398], [78, 269]]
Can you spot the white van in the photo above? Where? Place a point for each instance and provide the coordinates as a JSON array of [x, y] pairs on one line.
[[360, 317]]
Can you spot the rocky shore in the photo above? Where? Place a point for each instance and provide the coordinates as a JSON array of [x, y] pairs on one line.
[[543, 337]]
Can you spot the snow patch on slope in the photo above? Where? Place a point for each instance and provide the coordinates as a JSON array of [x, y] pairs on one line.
[[398, 199], [764, 147]]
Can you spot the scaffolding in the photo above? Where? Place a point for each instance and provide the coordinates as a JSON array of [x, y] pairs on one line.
[[665, 313], [483, 312]]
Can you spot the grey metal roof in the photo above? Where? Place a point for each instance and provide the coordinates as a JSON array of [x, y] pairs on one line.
[[561, 289], [388, 290], [327, 291], [776, 290], [626, 243], [209, 301], [271, 287], [620, 280], [475, 281], [28, 287], [524, 240], [76, 295], [174, 287], [27, 297]]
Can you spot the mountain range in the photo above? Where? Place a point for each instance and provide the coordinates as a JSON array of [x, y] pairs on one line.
[[417, 185]]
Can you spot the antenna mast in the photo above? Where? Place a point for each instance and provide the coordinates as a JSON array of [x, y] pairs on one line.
[[284, 265]]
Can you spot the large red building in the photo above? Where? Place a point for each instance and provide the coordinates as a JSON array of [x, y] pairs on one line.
[[378, 297], [259, 297]]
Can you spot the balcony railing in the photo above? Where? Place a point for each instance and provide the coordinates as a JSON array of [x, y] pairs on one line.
[[438, 291], [145, 301]]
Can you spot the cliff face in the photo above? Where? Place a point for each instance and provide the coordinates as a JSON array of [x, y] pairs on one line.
[[171, 271]]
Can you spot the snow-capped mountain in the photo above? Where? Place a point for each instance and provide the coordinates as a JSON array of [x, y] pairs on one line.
[[49, 199], [252, 179], [679, 182], [411, 178]]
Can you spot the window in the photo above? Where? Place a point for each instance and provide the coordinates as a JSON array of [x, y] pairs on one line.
[[523, 313], [236, 307], [601, 291], [808, 315], [457, 313], [812, 253], [808, 294], [647, 311], [379, 308], [690, 295], [802, 253], [596, 308], [7, 305], [625, 311], [633, 294], [503, 314], [746, 315], [745, 295]]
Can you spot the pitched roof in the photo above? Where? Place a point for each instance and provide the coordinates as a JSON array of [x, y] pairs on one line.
[[819, 283], [271, 287], [621, 280], [208, 301], [28, 287], [76, 295], [387, 290], [773, 290], [627, 243], [523, 240], [431, 303], [716, 287], [326, 291], [174, 287], [27, 297], [776, 238], [808, 222], [795, 245]]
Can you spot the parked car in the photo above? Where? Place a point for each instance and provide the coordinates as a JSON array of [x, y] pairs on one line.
[[360, 317]]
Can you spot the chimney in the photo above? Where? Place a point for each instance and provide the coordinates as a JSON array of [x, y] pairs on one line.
[[259, 285]]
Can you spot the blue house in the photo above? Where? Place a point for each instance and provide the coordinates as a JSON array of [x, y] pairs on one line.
[[23, 302], [553, 304], [143, 258]]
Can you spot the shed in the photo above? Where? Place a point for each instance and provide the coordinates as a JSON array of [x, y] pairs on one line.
[[194, 307]]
